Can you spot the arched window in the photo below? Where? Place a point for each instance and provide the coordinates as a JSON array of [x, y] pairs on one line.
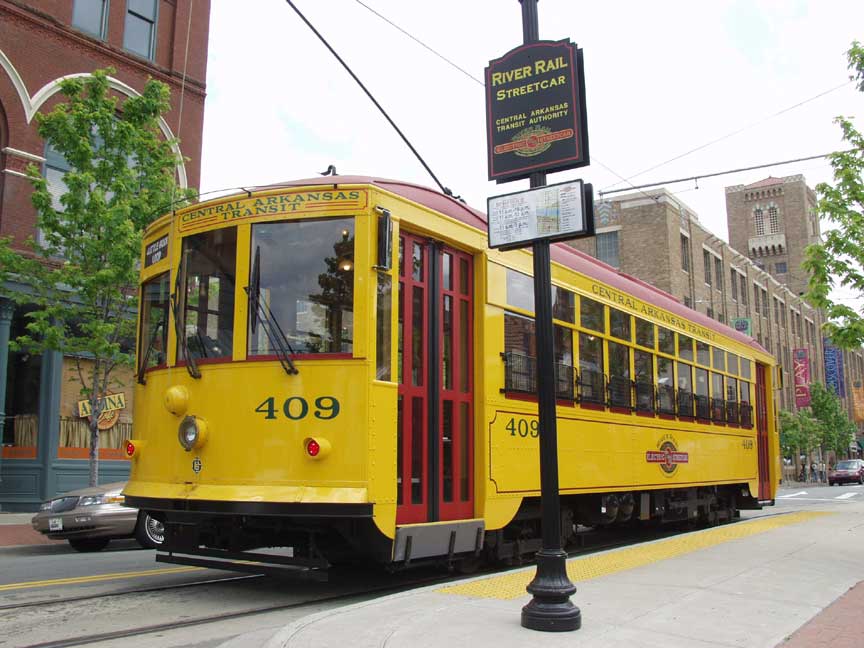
[[773, 220], [760, 221]]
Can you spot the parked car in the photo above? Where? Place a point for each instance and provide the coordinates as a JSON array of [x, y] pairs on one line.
[[89, 518], [849, 470]]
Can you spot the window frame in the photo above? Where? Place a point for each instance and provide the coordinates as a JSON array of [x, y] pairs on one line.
[[154, 24], [103, 27]]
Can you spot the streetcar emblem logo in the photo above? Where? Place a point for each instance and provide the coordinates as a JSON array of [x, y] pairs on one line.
[[667, 456], [196, 465]]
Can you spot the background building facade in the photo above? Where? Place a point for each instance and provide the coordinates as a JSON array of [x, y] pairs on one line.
[[43, 449]]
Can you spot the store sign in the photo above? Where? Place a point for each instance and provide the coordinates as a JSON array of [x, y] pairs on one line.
[[801, 372], [535, 111], [743, 325], [108, 403], [555, 212]]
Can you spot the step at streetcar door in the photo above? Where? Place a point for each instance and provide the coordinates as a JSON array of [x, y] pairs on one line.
[[434, 471]]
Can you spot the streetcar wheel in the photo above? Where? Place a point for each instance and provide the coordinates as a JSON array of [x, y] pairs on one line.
[[88, 544], [149, 532]]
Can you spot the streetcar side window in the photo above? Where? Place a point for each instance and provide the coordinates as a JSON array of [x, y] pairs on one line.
[[153, 337], [209, 263], [520, 357], [306, 281]]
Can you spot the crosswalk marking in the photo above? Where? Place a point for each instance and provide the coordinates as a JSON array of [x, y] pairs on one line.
[[846, 495], [792, 495]]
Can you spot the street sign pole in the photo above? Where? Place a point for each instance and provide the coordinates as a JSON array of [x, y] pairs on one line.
[[550, 609]]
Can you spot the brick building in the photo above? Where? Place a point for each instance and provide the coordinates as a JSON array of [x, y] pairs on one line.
[[42, 448], [654, 236]]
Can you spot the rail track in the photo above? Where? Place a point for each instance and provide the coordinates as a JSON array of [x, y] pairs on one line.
[[590, 542]]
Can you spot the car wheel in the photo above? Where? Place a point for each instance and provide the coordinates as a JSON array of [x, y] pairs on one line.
[[88, 544], [149, 532]]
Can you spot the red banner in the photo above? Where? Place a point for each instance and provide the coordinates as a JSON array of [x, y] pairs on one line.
[[801, 370]]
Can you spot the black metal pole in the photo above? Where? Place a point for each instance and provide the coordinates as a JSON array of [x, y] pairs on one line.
[[551, 609]]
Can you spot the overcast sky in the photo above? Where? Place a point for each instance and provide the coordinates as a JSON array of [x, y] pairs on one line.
[[662, 78]]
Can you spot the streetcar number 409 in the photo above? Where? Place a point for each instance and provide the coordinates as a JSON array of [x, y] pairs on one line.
[[296, 408]]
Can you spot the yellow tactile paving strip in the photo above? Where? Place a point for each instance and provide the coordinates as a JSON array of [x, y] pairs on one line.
[[510, 586]]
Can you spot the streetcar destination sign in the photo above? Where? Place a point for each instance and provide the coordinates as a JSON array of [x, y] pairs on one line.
[[535, 110], [555, 212]]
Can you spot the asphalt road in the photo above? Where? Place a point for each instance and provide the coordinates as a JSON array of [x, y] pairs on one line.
[[66, 594]]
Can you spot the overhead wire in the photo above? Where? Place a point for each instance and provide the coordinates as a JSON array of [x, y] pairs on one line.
[[696, 178], [463, 71], [731, 133]]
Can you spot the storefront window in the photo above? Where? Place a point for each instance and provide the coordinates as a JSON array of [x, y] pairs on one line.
[[21, 419]]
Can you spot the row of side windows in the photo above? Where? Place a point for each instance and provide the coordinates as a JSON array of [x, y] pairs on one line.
[[624, 362], [139, 33]]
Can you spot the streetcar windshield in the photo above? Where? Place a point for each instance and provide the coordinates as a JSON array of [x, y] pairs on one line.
[[307, 282], [153, 337]]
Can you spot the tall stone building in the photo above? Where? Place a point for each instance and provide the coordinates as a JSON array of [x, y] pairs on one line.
[[655, 237], [42, 447], [772, 221]]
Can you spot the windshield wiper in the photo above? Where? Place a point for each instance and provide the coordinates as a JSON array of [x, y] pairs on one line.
[[141, 379], [191, 365], [260, 311]]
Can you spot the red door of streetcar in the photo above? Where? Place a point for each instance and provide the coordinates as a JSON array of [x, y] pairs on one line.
[[762, 434], [434, 472]]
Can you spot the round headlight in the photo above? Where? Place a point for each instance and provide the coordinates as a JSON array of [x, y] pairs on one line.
[[192, 433]]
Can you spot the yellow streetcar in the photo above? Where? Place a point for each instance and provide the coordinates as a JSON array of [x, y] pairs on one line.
[[341, 368]]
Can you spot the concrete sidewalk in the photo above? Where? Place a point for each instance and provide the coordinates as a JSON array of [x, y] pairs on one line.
[[747, 585]]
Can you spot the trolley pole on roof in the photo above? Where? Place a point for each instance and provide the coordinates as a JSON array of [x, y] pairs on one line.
[[551, 609]]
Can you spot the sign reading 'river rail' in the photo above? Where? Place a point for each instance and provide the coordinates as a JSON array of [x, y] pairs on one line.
[[535, 110]]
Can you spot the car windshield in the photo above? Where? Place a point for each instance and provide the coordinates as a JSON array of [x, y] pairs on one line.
[[847, 465]]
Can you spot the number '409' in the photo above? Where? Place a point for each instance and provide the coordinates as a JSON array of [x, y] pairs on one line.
[[296, 408]]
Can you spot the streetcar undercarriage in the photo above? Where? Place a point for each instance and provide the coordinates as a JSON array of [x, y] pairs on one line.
[[307, 546]]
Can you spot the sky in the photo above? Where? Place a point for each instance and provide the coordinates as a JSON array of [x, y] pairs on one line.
[[662, 79]]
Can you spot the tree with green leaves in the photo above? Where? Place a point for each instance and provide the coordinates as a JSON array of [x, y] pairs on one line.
[[837, 431], [800, 433], [83, 269], [839, 259]]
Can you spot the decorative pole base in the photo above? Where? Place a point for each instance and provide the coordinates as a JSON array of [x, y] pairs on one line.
[[551, 609]]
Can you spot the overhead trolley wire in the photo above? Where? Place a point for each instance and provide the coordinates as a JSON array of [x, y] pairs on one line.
[[444, 189], [728, 135], [720, 173]]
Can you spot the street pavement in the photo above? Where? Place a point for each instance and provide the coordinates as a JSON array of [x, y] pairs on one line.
[[788, 576]]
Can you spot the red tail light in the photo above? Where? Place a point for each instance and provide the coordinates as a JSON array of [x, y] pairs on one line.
[[130, 449], [313, 448]]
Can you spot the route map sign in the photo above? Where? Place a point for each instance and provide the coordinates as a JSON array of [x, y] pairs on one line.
[[535, 110], [555, 212]]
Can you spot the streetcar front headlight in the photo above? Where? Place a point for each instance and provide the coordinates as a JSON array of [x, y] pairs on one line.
[[192, 432]]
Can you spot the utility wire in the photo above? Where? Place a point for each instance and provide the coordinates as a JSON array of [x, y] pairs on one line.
[[419, 42], [444, 189], [466, 73], [730, 134], [618, 175], [720, 173]]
